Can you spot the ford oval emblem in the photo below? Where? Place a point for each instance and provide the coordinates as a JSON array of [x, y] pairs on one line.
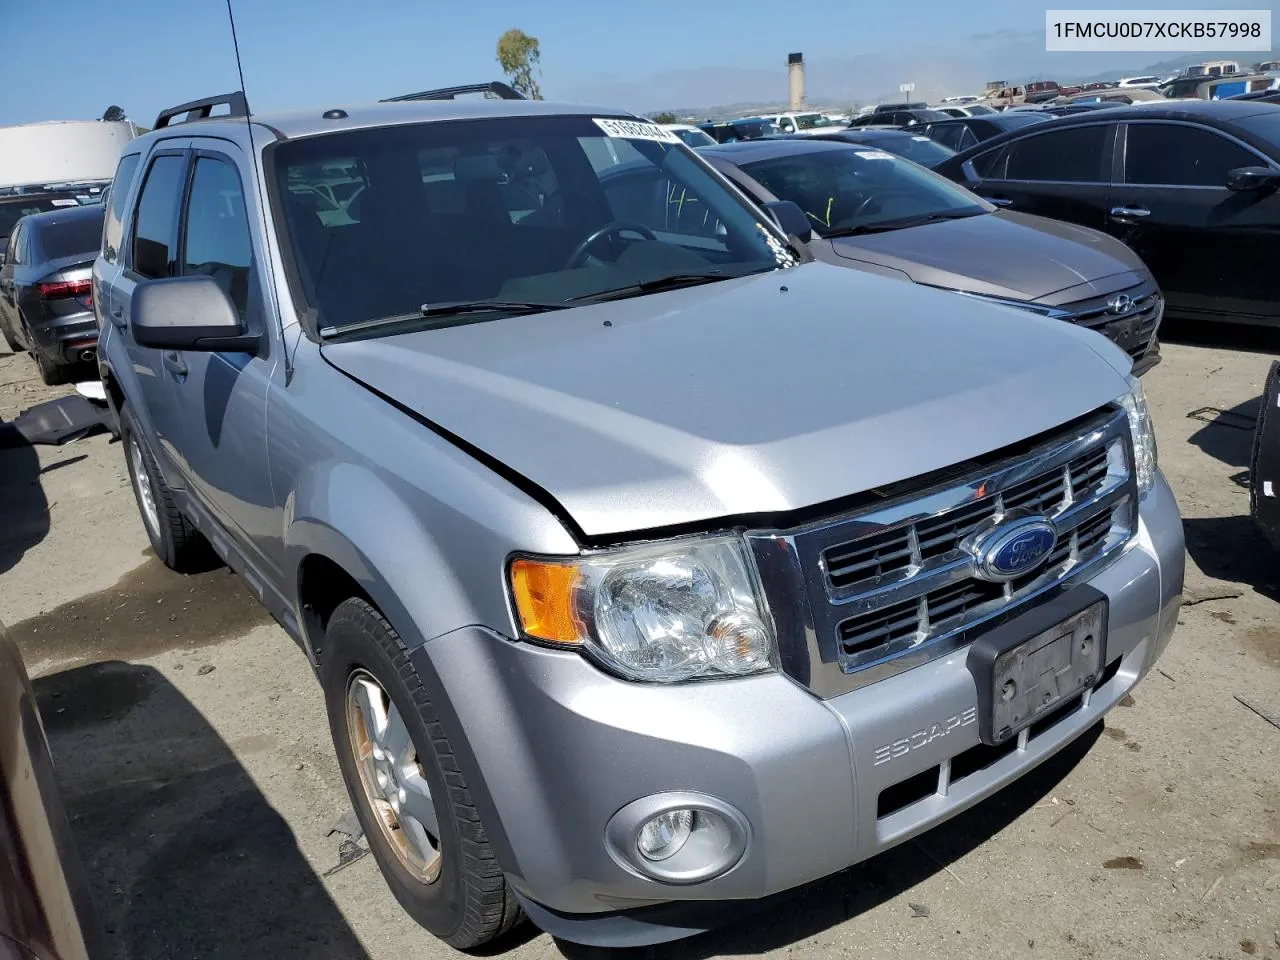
[[1014, 549]]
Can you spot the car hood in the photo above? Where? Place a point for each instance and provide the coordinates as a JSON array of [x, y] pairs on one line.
[[755, 396], [1001, 254]]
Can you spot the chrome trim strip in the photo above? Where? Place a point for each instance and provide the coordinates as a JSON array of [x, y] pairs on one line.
[[809, 610]]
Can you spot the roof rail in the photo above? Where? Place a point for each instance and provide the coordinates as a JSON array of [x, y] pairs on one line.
[[496, 87], [201, 109]]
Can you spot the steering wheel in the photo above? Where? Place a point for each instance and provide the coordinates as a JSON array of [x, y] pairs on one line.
[[609, 229]]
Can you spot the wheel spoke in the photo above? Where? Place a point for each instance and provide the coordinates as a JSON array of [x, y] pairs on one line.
[[368, 698], [395, 740], [417, 838], [418, 805]]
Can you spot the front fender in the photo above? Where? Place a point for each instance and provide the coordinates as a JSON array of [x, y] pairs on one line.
[[364, 524]]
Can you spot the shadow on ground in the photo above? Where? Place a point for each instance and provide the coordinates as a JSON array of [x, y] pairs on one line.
[[1234, 549], [1227, 435], [185, 856], [829, 902], [24, 511]]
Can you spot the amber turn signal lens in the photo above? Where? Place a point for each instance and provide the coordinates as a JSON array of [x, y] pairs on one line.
[[544, 595]]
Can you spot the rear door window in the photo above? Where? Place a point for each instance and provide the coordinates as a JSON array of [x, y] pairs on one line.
[[1169, 154], [1073, 155], [121, 184], [155, 229]]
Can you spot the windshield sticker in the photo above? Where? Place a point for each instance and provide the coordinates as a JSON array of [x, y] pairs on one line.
[[64, 203], [634, 130], [874, 155]]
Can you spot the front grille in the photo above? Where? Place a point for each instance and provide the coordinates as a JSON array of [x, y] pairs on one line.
[[871, 558], [885, 588], [1133, 330]]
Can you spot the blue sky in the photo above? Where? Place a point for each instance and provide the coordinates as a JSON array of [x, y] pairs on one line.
[[147, 54]]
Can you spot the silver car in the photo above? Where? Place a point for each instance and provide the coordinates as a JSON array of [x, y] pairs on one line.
[[647, 566]]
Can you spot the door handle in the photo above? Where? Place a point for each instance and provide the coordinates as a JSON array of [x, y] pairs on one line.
[[1000, 201], [117, 316], [174, 363], [1130, 212]]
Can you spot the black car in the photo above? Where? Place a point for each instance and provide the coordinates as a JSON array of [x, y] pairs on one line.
[[1191, 187], [869, 210], [46, 305], [960, 133], [898, 118], [904, 143], [1264, 465], [1259, 96]]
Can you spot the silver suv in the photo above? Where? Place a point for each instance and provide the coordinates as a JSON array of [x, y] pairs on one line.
[[647, 569]]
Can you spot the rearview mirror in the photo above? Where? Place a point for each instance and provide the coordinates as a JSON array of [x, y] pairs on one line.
[[1253, 178], [188, 313], [788, 215]]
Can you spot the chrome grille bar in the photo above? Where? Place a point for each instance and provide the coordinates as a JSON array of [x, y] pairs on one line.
[[883, 589]]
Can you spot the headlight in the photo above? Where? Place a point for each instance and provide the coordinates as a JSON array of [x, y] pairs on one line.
[[665, 613], [1144, 435]]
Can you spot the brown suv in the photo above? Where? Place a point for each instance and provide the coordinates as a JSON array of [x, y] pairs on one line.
[[45, 910]]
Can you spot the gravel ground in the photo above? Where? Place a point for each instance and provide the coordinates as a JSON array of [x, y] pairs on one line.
[[193, 749]]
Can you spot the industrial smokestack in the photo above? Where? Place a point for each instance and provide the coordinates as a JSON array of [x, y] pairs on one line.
[[795, 78]]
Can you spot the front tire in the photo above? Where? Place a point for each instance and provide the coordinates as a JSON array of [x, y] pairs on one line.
[[409, 795], [178, 544]]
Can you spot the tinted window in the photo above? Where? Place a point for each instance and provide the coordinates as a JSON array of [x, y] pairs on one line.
[[15, 245], [217, 240], [523, 210], [947, 134], [859, 188], [113, 231], [990, 165], [13, 211], [694, 138], [155, 224], [1071, 155], [75, 236], [1186, 156]]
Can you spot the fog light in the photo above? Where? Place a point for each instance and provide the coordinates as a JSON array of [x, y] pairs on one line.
[[664, 835]]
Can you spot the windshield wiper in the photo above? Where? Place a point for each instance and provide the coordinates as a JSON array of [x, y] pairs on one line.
[[672, 282], [904, 223], [443, 309]]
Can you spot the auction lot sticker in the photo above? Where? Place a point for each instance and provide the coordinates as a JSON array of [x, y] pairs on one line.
[[634, 130]]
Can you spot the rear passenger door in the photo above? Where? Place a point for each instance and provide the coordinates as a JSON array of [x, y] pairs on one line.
[[1211, 250], [218, 400], [151, 254], [1060, 173]]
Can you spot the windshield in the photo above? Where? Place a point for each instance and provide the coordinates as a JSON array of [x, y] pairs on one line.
[[695, 138], [542, 210], [77, 236], [1264, 126], [13, 211], [1021, 118], [861, 188], [980, 110], [810, 121], [922, 150]]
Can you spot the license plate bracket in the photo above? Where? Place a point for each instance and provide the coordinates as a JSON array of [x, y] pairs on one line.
[[1028, 665]]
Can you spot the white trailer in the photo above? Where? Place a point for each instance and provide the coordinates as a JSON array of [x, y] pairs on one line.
[[62, 151]]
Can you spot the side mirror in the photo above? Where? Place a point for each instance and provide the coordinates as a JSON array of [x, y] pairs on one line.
[[1253, 178], [788, 215], [188, 313]]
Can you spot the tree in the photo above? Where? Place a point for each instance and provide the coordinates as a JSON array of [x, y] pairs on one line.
[[666, 116], [519, 56], [113, 113]]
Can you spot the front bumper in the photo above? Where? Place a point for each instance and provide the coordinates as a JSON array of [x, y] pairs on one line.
[[552, 748]]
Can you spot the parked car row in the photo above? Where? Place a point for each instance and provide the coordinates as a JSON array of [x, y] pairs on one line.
[[495, 449]]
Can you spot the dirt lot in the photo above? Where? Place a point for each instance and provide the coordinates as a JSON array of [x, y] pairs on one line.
[[193, 749]]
